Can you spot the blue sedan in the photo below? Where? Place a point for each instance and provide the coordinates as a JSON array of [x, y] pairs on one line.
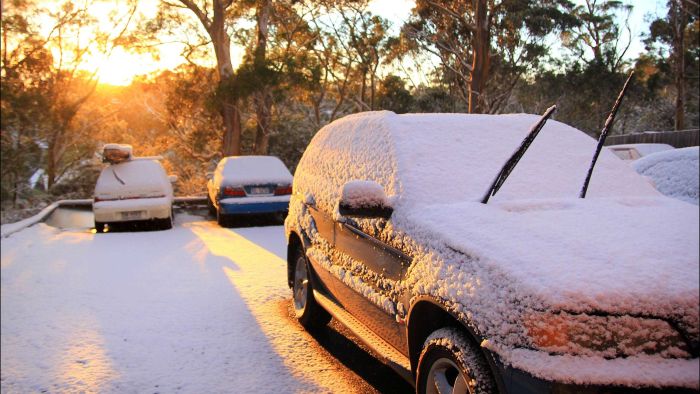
[[248, 185]]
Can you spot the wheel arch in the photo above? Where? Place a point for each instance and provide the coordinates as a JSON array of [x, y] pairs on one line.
[[427, 315], [294, 241]]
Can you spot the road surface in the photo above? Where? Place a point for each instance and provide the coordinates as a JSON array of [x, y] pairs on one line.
[[197, 308]]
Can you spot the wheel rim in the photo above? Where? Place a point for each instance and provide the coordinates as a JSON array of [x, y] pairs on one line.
[[446, 377], [301, 285]]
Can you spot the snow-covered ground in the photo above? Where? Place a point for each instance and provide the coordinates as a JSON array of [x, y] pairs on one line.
[[198, 308]]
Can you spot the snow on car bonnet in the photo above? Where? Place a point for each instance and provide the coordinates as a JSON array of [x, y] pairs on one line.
[[247, 170]]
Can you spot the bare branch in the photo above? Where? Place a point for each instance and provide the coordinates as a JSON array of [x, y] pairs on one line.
[[201, 15], [470, 26]]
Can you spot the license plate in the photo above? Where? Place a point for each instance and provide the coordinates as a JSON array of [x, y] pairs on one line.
[[259, 190], [131, 215]]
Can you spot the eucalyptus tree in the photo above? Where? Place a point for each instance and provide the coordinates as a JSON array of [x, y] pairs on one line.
[[485, 46], [597, 40], [673, 40], [45, 55], [203, 24]]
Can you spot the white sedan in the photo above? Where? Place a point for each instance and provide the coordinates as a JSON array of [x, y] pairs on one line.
[[134, 190]]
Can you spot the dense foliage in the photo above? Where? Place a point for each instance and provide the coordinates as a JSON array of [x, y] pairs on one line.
[[307, 63]]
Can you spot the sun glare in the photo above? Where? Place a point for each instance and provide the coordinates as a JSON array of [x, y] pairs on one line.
[[121, 67]]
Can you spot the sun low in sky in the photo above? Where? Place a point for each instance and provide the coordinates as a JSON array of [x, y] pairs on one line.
[[122, 66]]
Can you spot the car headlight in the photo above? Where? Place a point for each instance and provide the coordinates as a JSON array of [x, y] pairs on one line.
[[606, 336]]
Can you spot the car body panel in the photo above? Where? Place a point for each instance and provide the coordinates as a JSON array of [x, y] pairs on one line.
[[255, 205], [382, 259], [121, 211]]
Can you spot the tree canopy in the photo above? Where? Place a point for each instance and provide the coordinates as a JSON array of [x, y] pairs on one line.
[[262, 76]]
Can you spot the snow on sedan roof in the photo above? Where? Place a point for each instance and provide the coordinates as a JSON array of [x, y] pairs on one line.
[[246, 170], [675, 172]]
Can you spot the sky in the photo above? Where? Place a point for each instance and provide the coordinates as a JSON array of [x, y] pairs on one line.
[[122, 66]]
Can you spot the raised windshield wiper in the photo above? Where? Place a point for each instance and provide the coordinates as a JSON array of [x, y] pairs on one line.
[[515, 158], [604, 134], [117, 176]]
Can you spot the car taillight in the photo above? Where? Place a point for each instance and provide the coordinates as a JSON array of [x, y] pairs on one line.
[[234, 192], [283, 190]]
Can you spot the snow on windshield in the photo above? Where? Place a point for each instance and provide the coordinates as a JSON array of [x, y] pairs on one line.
[[245, 170], [139, 175], [446, 158], [450, 158]]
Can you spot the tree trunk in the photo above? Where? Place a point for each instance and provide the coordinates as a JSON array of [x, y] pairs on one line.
[[263, 98], [15, 172], [372, 88], [480, 62], [51, 166], [678, 20], [231, 144], [262, 112], [230, 114]]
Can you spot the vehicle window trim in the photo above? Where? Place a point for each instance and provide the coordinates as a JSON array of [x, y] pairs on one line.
[[403, 257]]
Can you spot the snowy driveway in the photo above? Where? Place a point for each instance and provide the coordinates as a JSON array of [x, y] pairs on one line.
[[197, 308]]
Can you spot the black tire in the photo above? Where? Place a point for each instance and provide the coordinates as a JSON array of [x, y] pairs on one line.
[[167, 223], [99, 227], [307, 311], [222, 219], [210, 206], [450, 361]]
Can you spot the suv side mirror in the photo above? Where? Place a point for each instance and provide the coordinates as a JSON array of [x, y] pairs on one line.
[[172, 178], [364, 199]]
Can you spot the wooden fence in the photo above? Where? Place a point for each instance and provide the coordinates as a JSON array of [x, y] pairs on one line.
[[677, 139]]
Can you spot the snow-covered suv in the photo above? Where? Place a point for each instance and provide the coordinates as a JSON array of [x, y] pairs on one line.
[[536, 291]]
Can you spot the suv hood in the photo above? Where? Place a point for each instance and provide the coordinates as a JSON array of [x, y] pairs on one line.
[[617, 255]]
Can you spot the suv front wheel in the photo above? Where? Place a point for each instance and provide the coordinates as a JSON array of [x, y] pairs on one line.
[[451, 363], [307, 311]]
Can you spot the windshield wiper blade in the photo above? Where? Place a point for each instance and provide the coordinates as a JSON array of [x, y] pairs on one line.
[[515, 158], [604, 134], [117, 176]]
